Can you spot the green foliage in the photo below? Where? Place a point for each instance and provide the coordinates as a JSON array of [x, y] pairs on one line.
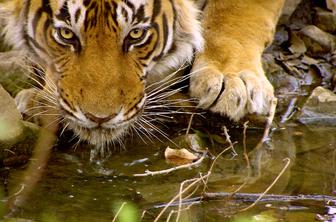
[[49, 217], [125, 212], [262, 217]]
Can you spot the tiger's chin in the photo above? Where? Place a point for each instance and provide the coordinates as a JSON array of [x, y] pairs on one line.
[[99, 136]]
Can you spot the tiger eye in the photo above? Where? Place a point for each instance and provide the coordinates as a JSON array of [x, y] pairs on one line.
[[137, 33], [66, 33]]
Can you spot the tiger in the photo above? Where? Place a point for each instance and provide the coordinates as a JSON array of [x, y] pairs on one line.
[[100, 56]]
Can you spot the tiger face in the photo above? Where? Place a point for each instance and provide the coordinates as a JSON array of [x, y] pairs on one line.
[[97, 54]]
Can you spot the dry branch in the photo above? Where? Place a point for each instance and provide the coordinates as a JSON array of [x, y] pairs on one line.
[[194, 182]]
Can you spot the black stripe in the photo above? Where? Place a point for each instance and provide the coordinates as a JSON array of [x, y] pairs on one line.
[[77, 15], [165, 29], [146, 57], [156, 9], [124, 13], [149, 39], [35, 45], [139, 15], [130, 5], [45, 28], [24, 30], [114, 13], [86, 3], [175, 14], [46, 7], [64, 14], [205, 3]]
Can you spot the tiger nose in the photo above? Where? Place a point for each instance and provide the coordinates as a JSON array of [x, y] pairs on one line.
[[99, 120]]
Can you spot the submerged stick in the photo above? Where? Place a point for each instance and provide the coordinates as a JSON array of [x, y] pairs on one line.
[[250, 198]]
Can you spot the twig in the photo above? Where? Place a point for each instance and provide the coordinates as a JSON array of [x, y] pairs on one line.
[[228, 139], [270, 119], [215, 160], [18, 192], [179, 211], [181, 197], [290, 111], [118, 212], [268, 123], [195, 181], [166, 171], [10, 151], [143, 215], [248, 165], [272, 184], [189, 124]]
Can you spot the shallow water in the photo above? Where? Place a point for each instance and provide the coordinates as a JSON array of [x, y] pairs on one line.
[[73, 189]]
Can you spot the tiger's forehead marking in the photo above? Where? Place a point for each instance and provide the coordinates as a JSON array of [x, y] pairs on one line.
[[88, 14]]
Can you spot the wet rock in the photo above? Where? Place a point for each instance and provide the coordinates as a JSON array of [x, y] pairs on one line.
[[319, 108], [317, 41], [10, 119], [17, 137], [325, 20]]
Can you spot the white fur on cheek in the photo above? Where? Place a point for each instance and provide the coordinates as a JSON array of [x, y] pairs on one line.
[[188, 40]]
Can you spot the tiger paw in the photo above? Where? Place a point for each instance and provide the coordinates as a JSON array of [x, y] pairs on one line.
[[234, 94]]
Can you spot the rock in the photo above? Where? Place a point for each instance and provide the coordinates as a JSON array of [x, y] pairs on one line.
[[331, 5], [17, 137], [319, 108], [316, 40], [288, 10], [10, 118], [325, 20]]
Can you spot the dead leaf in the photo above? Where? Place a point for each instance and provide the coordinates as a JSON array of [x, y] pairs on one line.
[[179, 156]]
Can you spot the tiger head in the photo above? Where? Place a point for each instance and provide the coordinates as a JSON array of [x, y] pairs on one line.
[[98, 54]]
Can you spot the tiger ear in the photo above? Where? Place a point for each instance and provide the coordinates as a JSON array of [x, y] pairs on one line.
[[188, 25]]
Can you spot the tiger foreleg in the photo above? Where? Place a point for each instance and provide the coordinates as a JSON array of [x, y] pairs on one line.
[[228, 77]]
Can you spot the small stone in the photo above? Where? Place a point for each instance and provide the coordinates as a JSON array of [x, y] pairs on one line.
[[325, 20], [319, 108], [316, 40]]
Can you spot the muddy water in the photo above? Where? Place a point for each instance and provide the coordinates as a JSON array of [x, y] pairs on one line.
[[73, 189]]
